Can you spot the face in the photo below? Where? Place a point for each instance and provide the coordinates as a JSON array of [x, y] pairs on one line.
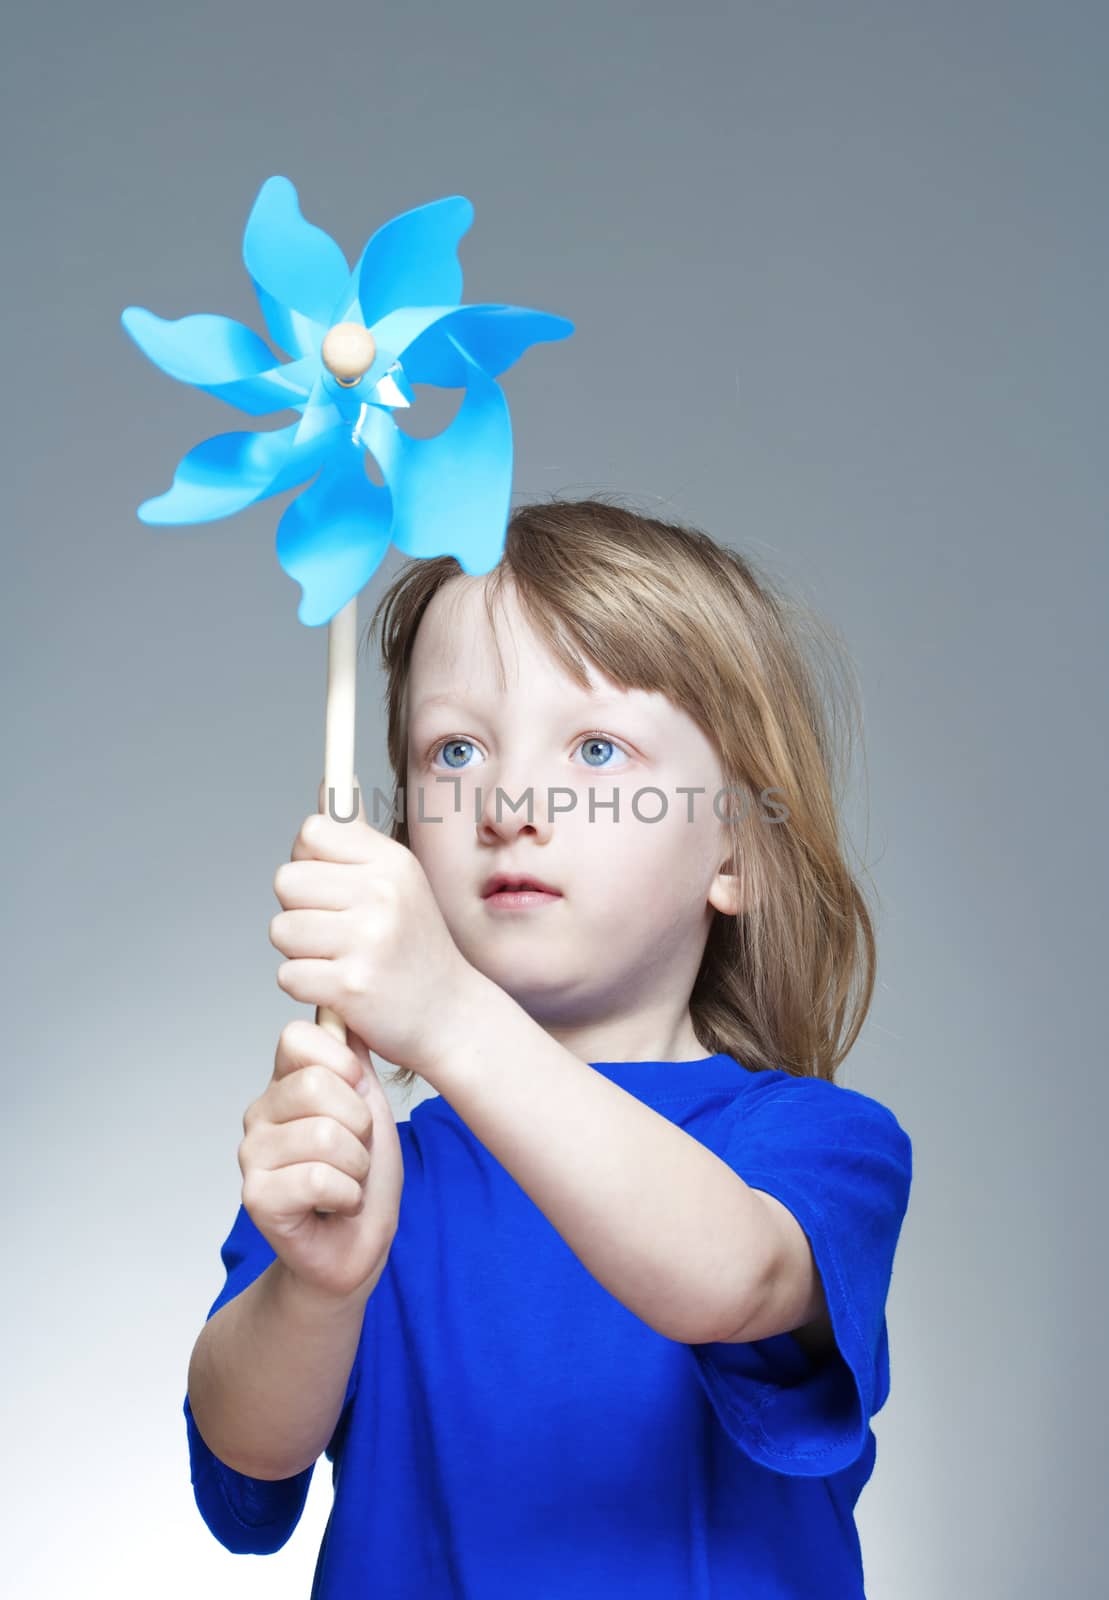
[[620, 946]]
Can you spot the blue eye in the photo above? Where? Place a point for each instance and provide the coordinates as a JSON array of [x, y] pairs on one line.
[[592, 740], [453, 744]]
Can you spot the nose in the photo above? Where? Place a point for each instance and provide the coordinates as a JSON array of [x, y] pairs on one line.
[[511, 809]]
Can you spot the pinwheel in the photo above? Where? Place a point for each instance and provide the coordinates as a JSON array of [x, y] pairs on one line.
[[357, 340]]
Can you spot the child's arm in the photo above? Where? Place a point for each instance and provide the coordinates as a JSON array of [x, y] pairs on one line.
[[269, 1371], [658, 1219]]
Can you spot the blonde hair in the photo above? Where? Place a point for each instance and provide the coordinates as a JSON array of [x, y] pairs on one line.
[[660, 606]]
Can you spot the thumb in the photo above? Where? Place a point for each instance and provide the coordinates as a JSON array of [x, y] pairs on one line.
[[365, 1061]]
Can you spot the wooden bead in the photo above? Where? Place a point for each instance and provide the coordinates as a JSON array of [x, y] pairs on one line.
[[348, 352]]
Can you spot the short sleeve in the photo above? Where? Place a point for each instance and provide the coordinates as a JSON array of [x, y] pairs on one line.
[[250, 1516], [842, 1164]]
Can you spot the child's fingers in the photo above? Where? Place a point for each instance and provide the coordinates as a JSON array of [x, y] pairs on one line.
[[304, 1043]]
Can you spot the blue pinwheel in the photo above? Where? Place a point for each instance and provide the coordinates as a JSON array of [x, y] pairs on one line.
[[357, 342]]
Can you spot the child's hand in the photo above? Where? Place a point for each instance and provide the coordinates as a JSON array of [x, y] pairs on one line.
[[366, 939], [313, 1139]]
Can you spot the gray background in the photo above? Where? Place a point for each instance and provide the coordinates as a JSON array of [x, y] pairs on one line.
[[839, 277]]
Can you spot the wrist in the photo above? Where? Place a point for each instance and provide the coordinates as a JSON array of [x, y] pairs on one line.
[[472, 1019], [308, 1303]]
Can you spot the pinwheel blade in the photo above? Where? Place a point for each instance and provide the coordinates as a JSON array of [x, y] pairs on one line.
[[493, 336], [298, 271], [451, 492], [412, 260], [226, 473], [222, 357], [333, 536]]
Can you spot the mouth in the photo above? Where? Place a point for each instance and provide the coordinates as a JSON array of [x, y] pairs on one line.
[[505, 890]]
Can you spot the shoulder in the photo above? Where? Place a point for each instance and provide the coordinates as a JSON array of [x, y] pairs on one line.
[[774, 1088], [778, 1114]]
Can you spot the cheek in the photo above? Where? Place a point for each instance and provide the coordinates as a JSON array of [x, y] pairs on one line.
[[650, 868], [435, 846]]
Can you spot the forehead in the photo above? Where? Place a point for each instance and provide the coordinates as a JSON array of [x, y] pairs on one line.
[[457, 646], [459, 654]]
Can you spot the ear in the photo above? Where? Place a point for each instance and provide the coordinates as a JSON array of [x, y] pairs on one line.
[[726, 893], [729, 891]]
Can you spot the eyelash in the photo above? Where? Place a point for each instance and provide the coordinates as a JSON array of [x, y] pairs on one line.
[[459, 738]]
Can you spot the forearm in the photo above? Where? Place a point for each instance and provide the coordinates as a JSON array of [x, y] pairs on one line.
[[269, 1371], [660, 1221]]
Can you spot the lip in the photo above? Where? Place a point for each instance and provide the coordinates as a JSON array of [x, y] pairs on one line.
[[492, 888], [520, 899]]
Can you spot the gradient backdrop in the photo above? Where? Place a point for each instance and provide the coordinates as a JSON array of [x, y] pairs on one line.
[[839, 275]]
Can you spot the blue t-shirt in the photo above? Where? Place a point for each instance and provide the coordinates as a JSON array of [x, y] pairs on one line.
[[510, 1428]]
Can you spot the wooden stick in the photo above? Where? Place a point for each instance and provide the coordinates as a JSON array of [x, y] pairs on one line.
[[338, 750], [338, 743]]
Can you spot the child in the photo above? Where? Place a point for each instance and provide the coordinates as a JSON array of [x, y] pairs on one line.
[[625, 1332]]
